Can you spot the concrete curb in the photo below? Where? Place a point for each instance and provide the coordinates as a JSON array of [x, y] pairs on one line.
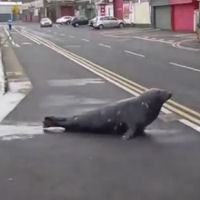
[[3, 79]]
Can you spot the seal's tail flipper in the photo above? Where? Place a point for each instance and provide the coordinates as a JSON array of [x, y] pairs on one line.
[[51, 121]]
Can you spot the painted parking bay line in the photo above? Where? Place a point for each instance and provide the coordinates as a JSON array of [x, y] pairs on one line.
[[181, 46], [104, 45], [85, 40], [184, 66], [10, 38], [134, 53], [26, 43]]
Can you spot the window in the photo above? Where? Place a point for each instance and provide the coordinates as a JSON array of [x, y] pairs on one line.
[[113, 18]]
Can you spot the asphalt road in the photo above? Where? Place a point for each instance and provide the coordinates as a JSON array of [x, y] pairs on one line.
[[151, 64], [163, 165]]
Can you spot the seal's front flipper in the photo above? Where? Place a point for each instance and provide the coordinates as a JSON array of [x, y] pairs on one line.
[[53, 124], [54, 130], [128, 134]]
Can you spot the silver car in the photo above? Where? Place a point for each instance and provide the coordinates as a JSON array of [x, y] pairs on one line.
[[46, 22], [92, 21], [64, 20], [108, 22]]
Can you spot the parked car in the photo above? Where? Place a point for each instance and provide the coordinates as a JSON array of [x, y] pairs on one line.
[[92, 21], [46, 22], [77, 21], [108, 22], [64, 20]]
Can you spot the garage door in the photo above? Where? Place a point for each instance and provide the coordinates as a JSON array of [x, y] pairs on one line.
[[163, 17], [67, 11], [183, 17], [5, 17]]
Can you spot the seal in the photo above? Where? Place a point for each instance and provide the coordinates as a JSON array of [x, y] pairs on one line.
[[128, 117]]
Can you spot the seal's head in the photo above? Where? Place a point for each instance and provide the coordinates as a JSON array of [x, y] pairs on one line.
[[155, 98], [163, 95]]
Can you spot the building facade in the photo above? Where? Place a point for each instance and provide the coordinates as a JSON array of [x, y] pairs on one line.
[[141, 12], [57, 8], [6, 11], [86, 8], [33, 11], [131, 11], [184, 15], [176, 15], [161, 14]]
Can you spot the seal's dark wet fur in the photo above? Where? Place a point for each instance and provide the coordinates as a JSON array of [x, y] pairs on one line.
[[129, 116]]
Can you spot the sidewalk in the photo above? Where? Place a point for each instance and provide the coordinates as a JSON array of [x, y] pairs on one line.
[[17, 84]]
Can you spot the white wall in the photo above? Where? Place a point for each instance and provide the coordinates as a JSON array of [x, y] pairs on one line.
[[6, 7], [109, 10], [142, 14], [128, 12]]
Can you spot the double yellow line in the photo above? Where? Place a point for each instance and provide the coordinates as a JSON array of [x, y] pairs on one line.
[[134, 88]]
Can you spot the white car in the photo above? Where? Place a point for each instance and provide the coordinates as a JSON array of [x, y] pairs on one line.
[[46, 22], [108, 22], [64, 20], [92, 21]]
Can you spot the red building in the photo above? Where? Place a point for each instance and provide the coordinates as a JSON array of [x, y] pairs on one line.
[[118, 8], [66, 10], [183, 14]]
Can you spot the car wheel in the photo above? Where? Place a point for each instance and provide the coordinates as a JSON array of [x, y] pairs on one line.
[[101, 26], [67, 22], [76, 24], [121, 25]]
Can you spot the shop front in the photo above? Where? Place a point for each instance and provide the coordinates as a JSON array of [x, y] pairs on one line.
[[183, 14], [161, 14]]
